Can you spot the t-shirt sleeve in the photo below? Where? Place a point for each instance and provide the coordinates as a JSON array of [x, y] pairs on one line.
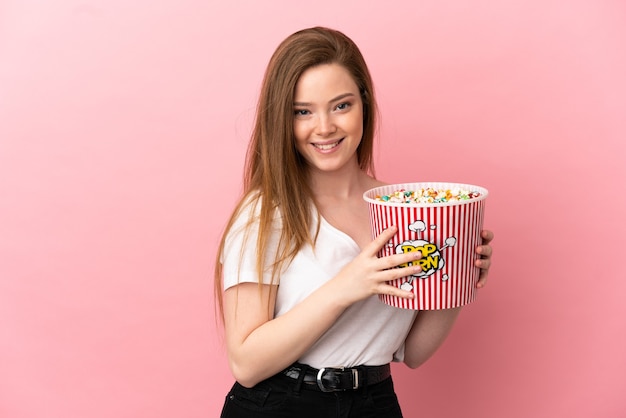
[[239, 259], [398, 356]]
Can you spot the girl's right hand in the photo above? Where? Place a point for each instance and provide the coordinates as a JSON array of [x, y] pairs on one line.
[[368, 274]]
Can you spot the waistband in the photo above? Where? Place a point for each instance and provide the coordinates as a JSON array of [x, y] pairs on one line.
[[334, 379]]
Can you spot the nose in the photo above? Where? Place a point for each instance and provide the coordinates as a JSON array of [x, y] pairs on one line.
[[325, 125]]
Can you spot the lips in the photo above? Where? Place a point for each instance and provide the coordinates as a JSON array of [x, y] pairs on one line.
[[327, 146]]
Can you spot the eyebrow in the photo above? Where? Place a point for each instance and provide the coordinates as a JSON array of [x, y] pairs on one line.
[[336, 99]]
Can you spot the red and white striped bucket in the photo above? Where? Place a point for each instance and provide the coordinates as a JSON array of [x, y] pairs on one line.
[[445, 233]]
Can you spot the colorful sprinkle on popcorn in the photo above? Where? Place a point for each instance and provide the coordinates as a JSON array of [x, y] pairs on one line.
[[428, 195]]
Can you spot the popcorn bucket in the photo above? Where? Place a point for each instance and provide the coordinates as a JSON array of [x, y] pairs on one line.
[[446, 233]]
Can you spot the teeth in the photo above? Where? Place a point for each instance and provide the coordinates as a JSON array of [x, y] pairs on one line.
[[326, 146]]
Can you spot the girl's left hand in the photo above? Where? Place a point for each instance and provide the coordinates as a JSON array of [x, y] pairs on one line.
[[484, 262]]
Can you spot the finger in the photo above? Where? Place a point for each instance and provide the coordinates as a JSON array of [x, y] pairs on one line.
[[484, 265], [382, 239], [398, 273], [484, 250], [487, 236], [396, 260], [482, 279], [386, 289]]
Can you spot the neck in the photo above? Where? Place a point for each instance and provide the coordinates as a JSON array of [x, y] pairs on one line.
[[340, 184]]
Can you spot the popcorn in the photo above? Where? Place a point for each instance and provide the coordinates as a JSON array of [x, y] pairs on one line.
[[428, 195]]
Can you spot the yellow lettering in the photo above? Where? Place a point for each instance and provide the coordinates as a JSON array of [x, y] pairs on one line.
[[427, 261], [408, 248], [427, 249], [430, 262]]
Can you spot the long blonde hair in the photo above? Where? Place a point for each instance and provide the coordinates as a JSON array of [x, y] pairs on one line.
[[275, 174]]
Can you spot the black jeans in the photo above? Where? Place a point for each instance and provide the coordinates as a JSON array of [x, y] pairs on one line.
[[282, 396]]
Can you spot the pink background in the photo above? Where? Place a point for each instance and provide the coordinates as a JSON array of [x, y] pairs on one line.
[[123, 126]]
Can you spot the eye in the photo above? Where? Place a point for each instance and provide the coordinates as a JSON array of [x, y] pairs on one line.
[[343, 106], [301, 112]]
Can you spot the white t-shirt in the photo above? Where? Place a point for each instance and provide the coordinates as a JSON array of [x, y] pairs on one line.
[[367, 333]]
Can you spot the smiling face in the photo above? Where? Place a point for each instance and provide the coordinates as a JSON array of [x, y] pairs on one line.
[[328, 120]]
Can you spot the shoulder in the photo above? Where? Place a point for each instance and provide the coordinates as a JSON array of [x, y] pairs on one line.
[[248, 214]]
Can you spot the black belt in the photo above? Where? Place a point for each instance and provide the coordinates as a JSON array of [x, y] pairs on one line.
[[334, 379]]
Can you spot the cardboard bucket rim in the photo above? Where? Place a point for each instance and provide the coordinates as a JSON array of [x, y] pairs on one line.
[[369, 195]]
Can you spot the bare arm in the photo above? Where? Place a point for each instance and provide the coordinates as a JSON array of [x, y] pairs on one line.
[[260, 346], [428, 332]]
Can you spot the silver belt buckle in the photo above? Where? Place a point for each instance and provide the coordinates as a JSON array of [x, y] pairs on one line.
[[320, 374]]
